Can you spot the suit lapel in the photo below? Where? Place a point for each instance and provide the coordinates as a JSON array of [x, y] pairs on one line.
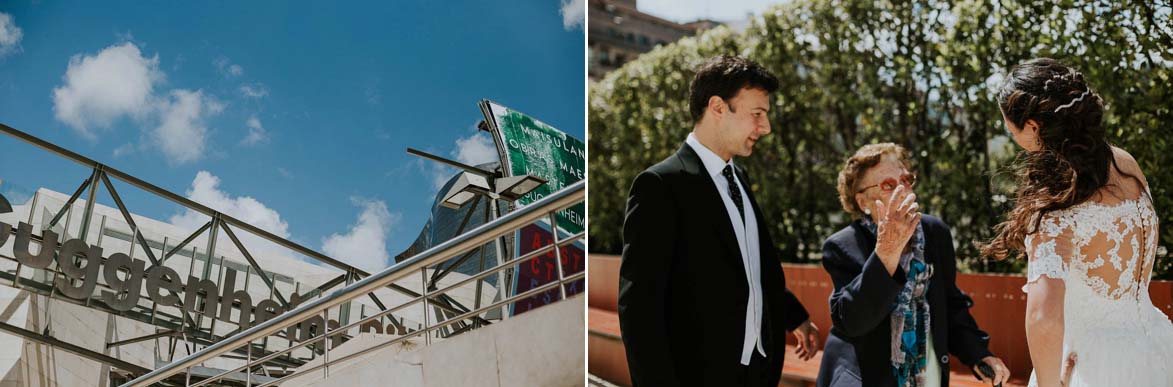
[[709, 202]]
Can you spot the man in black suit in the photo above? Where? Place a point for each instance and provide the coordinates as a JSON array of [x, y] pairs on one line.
[[702, 296]]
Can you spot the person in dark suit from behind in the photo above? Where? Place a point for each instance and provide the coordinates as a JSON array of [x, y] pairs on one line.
[[896, 311], [702, 296]]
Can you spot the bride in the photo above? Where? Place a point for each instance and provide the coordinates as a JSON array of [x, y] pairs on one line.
[[1084, 217]]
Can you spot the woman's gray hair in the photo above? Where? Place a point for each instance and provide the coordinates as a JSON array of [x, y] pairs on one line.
[[865, 158]]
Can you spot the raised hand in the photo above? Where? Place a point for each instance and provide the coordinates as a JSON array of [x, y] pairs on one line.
[[895, 223]]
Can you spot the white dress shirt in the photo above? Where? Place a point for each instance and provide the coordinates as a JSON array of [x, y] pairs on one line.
[[747, 239]]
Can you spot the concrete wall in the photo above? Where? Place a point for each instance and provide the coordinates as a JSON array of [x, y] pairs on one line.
[[13, 310], [543, 347]]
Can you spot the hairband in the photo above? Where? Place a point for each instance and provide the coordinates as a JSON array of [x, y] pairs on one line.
[[1074, 101]]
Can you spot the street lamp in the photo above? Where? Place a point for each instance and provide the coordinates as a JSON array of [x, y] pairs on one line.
[[514, 187], [466, 187], [476, 181]]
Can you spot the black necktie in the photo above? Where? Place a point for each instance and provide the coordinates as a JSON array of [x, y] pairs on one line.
[[734, 192]]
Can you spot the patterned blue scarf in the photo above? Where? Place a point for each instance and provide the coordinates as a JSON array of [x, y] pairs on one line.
[[910, 313]]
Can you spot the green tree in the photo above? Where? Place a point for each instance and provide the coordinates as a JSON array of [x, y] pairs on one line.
[[921, 74]]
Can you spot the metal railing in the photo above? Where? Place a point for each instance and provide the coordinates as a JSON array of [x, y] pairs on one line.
[[190, 327], [546, 208]]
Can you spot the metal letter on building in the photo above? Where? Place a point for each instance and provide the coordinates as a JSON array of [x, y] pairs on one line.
[[71, 267], [126, 292]]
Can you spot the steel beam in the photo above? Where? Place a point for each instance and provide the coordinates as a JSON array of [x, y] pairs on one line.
[[74, 349]]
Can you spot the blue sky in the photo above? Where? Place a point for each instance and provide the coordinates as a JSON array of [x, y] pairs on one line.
[[291, 115]]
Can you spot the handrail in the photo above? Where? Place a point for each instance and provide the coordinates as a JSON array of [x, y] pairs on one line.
[[484, 234], [514, 298], [379, 315]]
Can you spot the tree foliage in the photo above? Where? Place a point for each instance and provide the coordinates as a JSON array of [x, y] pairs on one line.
[[921, 74]]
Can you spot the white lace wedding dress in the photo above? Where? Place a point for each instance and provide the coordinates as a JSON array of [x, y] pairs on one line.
[[1104, 253]]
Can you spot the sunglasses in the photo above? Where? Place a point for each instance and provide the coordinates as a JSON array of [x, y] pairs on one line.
[[889, 184]]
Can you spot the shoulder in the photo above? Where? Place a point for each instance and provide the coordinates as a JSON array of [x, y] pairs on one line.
[[658, 177], [845, 246], [842, 240], [1128, 164], [668, 168], [845, 234], [1123, 158]]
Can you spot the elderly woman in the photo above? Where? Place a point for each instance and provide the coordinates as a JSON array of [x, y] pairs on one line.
[[896, 311]]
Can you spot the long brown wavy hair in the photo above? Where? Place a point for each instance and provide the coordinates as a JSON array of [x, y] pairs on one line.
[[1073, 159]]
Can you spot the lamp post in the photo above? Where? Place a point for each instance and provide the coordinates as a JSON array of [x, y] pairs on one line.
[[493, 185]]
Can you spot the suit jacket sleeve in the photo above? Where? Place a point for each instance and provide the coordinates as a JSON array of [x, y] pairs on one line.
[[795, 313], [648, 240], [863, 297], [969, 343], [787, 308]]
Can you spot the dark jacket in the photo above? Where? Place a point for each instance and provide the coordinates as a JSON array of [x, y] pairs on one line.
[[682, 285], [858, 351]]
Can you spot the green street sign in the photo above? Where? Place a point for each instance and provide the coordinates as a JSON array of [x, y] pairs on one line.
[[530, 147]]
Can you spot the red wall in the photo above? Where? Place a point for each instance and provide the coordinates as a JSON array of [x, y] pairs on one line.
[[999, 303]]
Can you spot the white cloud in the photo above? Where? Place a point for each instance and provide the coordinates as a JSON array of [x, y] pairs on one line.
[[10, 35], [98, 89], [120, 82], [573, 14], [475, 149], [182, 134], [256, 90], [365, 244], [437, 173], [124, 150], [228, 68], [256, 132], [284, 173], [205, 189]]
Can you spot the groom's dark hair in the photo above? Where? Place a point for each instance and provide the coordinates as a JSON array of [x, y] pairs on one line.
[[724, 76]]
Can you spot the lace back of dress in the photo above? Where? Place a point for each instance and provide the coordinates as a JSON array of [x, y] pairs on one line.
[[1110, 247]]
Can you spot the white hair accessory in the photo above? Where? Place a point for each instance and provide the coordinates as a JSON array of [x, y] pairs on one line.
[[1074, 101]]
